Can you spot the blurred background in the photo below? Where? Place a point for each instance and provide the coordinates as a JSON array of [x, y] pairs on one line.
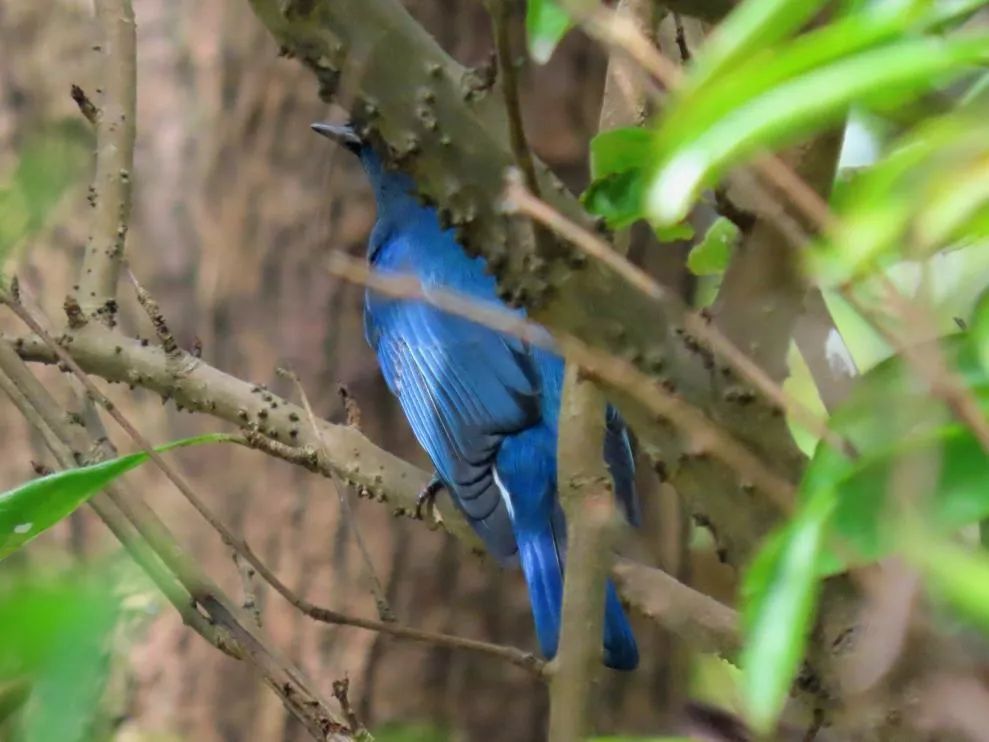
[[235, 203]]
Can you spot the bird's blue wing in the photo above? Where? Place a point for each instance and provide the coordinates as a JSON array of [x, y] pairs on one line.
[[621, 465], [463, 388]]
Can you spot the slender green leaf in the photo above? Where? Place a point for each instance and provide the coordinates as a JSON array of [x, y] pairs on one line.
[[546, 23], [750, 27], [710, 256], [780, 593], [35, 506], [693, 111], [800, 106]]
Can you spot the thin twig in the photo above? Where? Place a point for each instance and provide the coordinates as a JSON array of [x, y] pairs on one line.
[[517, 657], [500, 12], [341, 692], [155, 315], [704, 435], [385, 613], [681, 39]]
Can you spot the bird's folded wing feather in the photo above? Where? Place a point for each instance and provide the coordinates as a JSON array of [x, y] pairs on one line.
[[463, 388]]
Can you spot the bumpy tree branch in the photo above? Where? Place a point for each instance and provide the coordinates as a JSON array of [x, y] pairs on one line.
[[111, 189]]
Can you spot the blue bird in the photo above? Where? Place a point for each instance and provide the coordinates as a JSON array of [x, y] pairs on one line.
[[484, 406]]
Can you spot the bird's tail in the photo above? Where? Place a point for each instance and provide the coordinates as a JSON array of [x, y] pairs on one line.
[[542, 563]]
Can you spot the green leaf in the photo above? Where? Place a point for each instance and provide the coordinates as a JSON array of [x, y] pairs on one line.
[[546, 22], [675, 232], [35, 506], [616, 197], [692, 111], [619, 150], [752, 26], [798, 107], [780, 593], [710, 257]]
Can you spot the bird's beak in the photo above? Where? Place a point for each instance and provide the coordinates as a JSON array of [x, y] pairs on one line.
[[339, 133]]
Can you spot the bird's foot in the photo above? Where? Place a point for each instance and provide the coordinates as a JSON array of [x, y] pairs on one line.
[[428, 494]]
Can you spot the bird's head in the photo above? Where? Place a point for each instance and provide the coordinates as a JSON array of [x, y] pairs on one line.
[[342, 134], [394, 191]]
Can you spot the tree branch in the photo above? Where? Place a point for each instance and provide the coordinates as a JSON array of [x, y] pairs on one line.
[[588, 502], [115, 133], [681, 610]]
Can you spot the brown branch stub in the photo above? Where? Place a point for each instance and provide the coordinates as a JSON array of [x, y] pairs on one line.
[[74, 315], [111, 188], [350, 406], [86, 106], [153, 310], [341, 692]]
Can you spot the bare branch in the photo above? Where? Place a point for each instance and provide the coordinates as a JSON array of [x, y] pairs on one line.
[[678, 608], [115, 132], [588, 502], [501, 21]]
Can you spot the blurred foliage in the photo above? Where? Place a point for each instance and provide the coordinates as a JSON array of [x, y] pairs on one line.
[[50, 162], [912, 210], [55, 650], [28, 510], [546, 23], [753, 86]]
